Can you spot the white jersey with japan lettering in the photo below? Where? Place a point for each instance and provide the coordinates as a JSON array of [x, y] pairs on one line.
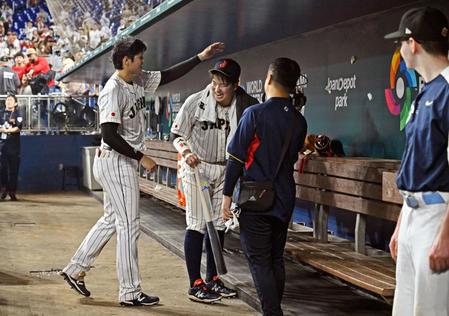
[[122, 102], [206, 127]]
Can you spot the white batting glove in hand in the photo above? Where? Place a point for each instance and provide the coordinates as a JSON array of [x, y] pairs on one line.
[[211, 50], [233, 222], [148, 163]]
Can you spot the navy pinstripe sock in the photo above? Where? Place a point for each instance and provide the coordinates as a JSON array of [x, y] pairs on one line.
[[193, 247]]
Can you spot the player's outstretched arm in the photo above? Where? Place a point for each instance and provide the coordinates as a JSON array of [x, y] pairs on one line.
[[211, 50], [179, 70]]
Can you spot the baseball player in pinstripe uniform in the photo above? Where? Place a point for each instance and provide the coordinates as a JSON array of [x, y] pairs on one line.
[[201, 131], [121, 104]]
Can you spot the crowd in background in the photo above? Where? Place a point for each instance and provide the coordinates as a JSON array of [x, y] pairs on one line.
[[35, 46]]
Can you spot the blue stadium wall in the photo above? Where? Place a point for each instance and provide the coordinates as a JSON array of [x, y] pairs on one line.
[[348, 71], [41, 157]]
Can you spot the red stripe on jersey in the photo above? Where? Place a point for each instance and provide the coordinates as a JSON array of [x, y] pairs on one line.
[[255, 143]]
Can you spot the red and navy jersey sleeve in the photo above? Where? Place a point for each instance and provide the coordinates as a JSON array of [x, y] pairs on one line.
[[239, 150]]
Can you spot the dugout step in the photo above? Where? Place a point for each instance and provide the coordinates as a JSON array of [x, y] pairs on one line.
[[307, 292]]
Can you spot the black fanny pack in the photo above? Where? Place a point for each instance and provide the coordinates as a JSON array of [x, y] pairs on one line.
[[256, 196]]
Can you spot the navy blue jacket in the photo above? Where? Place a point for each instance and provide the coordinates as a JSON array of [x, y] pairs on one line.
[[257, 146]]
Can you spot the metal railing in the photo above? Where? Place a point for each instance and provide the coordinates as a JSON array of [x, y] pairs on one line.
[[55, 114]]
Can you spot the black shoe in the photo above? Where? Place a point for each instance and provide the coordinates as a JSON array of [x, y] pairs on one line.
[[218, 287], [13, 196], [3, 196], [141, 300], [201, 293], [77, 285]]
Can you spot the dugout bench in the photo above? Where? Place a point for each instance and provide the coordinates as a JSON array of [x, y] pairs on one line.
[[365, 187]]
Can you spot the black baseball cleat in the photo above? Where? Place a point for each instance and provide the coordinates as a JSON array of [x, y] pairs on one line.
[[217, 286], [141, 300], [202, 293], [77, 285]]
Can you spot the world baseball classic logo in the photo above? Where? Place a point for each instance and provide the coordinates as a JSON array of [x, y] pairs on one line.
[[402, 90]]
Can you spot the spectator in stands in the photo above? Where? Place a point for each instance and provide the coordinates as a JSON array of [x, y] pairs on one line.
[[43, 15], [88, 21], [94, 37], [2, 29], [55, 58], [51, 79], [4, 51], [10, 126], [9, 80], [105, 33], [37, 65], [40, 25], [19, 65], [104, 20], [36, 38], [257, 153], [28, 30], [123, 25], [25, 88], [12, 43]]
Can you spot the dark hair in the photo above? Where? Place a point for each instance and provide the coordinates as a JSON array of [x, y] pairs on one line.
[[19, 54], [12, 95], [223, 78], [286, 72], [127, 47], [436, 48]]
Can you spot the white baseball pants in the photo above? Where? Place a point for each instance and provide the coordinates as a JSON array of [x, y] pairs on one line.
[[419, 292], [118, 176]]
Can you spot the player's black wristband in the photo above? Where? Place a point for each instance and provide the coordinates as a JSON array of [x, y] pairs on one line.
[[113, 139]]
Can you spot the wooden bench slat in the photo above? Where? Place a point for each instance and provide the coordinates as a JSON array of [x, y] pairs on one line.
[[356, 204], [366, 264], [343, 251], [360, 272], [341, 168], [353, 187], [161, 145], [165, 162], [161, 192], [162, 154]]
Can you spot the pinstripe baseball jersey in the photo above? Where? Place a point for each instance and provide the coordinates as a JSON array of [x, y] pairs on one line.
[[207, 139], [122, 102]]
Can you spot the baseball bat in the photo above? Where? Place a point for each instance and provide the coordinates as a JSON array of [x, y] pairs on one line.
[[213, 235]]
